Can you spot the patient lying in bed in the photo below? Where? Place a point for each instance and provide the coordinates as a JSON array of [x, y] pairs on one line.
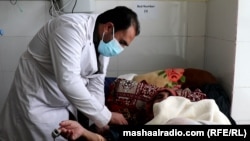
[[169, 109], [142, 103]]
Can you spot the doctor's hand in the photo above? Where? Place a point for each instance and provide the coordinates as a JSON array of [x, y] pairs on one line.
[[118, 119]]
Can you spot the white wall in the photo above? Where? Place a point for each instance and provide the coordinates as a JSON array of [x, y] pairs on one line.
[[227, 51], [241, 96], [221, 28], [172, 36], [19, 23]]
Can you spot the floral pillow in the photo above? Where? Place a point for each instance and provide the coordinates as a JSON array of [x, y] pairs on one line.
[[132, 99], [176, 78], [169, 78]]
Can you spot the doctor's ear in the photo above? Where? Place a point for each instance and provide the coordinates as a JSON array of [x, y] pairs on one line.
[[108, 27]]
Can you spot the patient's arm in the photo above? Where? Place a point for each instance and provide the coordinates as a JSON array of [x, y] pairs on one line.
[[73, 130]]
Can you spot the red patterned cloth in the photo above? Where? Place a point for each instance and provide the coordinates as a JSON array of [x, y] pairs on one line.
[[195, 95], [132, 99]]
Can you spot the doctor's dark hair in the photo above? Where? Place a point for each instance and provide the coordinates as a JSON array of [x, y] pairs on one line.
[[122, 18]]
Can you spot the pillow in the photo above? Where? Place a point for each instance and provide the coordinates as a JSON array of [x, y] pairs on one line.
[[178, 78], [128, 76], [133, 99], [170, 78], [197, 78]]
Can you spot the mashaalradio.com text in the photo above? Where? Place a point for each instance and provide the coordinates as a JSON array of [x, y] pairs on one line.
[[173, 132]]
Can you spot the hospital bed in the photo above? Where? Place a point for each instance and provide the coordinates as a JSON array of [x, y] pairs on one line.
[[133, 94]]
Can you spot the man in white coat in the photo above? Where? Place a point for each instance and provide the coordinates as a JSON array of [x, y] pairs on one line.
[[63, 70]]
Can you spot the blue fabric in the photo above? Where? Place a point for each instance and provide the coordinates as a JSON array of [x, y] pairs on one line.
[[108, 81]]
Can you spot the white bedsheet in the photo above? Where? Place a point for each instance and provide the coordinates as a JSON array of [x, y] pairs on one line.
[[204, 111]]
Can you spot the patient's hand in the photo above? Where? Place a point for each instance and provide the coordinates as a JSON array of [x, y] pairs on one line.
[[73, 130]]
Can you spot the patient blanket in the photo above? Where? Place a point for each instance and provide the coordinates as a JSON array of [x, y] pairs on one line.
[[176, 106]]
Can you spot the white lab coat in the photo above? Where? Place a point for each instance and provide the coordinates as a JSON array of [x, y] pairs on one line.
[[57, 73]]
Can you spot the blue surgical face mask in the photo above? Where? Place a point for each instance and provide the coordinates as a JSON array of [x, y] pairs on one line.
[[112, 48]]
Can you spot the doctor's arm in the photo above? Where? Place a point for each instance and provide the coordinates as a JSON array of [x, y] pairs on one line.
[[96, 87]]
